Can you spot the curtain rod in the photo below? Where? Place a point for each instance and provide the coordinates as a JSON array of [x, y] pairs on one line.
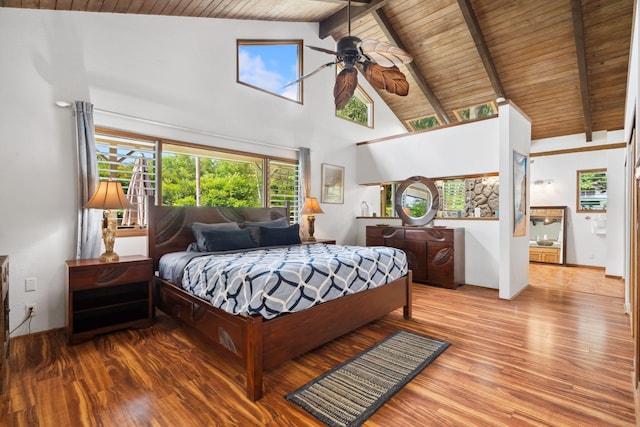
[[65, 104]]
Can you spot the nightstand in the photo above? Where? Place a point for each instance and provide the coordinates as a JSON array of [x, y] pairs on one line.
[[106, 296]]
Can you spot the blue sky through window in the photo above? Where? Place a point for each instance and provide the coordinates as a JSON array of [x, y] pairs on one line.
[[270, 67]]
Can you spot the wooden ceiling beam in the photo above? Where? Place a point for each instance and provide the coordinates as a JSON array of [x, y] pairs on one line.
[[339, 19], [481, 45], [578, 31], [384, 23]]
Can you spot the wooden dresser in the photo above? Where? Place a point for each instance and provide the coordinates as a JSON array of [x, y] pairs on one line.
[[435, 254], [4, 322]]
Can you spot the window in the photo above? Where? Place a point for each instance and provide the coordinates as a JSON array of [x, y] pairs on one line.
[[453, 199], [592, 190], [476, 111], [459, 196], [198, 175], [270, 65], [426, 122], [132, 162], [359, 109]]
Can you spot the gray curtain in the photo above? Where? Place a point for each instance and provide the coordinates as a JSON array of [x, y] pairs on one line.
[[89, 220], [304, 167]]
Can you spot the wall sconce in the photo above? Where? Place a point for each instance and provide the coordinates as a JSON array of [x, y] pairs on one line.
[[311, 208], [110, 197]]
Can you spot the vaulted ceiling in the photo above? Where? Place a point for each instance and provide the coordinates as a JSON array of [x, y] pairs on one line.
[[562, 62]]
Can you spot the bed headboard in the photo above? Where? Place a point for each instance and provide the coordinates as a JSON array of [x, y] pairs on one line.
[[168, 226]]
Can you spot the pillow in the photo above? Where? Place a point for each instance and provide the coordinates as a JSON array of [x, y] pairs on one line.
[[254, 227], [277, 236], [227, 240], [198, 228]]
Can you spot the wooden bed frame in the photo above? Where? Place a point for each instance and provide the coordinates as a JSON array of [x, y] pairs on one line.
[[257, 343]]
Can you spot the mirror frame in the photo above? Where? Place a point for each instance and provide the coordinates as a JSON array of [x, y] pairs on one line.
[[563, 248], [431, 212]]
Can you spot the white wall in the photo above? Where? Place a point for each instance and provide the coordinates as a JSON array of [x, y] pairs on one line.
[[515, 135], [464, 149], [584, 247], [179, 71]]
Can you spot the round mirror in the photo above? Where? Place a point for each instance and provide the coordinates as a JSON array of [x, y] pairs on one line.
[[417, 201]]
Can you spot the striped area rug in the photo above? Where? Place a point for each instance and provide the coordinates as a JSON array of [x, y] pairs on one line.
[[348, 394]]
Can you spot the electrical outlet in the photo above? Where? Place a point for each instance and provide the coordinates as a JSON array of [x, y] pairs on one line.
[[32, 307]]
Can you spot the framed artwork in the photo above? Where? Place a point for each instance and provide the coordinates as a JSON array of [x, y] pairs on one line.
[[332, 184], [519, 194]]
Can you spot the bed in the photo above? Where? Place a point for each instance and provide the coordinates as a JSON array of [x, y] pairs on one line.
[[257, 342]]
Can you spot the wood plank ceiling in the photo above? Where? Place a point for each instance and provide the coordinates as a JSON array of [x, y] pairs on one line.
[[562, 62]]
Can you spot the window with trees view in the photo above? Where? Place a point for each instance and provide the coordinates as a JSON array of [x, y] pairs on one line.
[[476, 111], [269, 65], [592, 190], [426, 122], [198, 175], [359, 109]]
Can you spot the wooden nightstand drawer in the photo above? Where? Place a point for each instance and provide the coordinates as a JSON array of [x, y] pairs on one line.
[[109, 273]]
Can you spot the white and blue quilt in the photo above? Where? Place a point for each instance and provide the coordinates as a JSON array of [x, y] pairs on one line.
[[276, 280]]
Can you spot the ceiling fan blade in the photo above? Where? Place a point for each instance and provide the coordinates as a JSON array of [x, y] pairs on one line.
[[390, 79], [321, 49], [384, 54], [346, 83], [328, 64]]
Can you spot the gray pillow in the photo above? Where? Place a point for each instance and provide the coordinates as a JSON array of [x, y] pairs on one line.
[[254, 227], [197, 228], [227, 240], [279, 236]]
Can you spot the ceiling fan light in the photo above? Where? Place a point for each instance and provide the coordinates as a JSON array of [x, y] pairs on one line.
[[348, 45]]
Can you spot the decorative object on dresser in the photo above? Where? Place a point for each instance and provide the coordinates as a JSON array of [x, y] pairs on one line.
[[103, 297], [435, 254], [311, 208], [110, 197], [4, 322], [417, 201]]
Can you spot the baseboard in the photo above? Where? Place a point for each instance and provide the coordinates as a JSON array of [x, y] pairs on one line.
[[611, 276], [593, 267]]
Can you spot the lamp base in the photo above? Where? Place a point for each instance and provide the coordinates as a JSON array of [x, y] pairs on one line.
[[109, 257]]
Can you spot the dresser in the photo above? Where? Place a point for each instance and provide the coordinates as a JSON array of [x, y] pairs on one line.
[[4, 322], [435, 254]]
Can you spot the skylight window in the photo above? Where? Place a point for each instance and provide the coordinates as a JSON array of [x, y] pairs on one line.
[[426, 122], [269, 65], [476, 111]]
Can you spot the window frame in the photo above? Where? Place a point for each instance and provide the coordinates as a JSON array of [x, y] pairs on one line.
[[363, 96], [273, 42], [267, 200], [493, 105], [579, 195], [410, 126]]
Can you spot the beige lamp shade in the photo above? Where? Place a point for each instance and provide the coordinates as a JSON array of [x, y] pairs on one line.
[[311, 207], [109, 195]]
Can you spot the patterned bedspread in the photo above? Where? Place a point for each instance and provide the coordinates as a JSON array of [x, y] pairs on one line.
[[279, 280]]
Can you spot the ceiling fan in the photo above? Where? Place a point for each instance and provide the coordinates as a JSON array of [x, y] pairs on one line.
[[377, 61]]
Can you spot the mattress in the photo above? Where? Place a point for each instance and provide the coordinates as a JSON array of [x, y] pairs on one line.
[[277, 280]]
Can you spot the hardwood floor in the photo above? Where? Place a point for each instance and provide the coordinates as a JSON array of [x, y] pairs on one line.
[[560, 354]]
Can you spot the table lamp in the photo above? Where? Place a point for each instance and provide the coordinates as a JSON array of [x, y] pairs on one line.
[[311, 208], [110, 197]]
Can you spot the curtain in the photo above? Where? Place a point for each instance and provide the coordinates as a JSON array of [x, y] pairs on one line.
[[304, 167], [89, 221]]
